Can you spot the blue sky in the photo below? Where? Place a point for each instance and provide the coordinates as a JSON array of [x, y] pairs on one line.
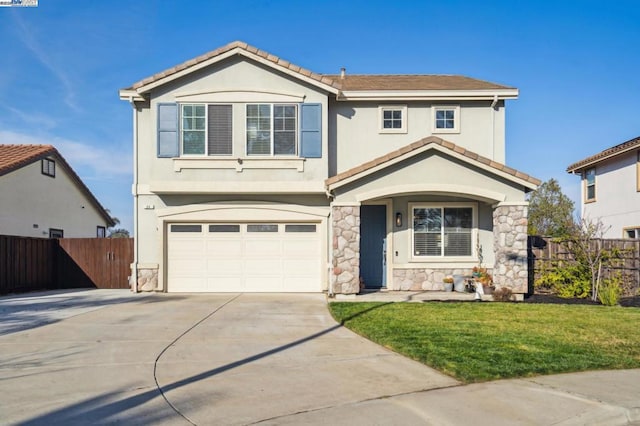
[[576, 64]]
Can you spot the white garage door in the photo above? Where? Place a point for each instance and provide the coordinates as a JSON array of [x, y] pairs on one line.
[[229, 257]]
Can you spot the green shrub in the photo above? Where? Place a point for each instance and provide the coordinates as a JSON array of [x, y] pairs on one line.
[[610, 290], [566, 280]]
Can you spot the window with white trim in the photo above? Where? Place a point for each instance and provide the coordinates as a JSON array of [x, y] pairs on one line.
[[272, 129], [48, 167], [589, 184], [206, 129], [393, 118], [446, 119], [632, 232], [443, 230]]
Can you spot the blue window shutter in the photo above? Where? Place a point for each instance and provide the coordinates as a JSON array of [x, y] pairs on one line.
[[168, 141], [310, 130]]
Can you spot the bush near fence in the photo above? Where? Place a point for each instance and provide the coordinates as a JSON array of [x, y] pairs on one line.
[[543, 251]]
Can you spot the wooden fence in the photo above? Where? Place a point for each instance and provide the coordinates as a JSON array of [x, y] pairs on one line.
[[28, 264], [543, 251]]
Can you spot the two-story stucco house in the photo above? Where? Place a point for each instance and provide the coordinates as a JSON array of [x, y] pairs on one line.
[[611, 188], [41, 196], [253, 174]]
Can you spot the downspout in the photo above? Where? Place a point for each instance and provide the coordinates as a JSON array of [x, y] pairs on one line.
[[493, 126], [134, 190]]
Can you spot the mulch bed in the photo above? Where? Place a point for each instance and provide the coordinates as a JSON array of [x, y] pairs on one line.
[[633, 301]]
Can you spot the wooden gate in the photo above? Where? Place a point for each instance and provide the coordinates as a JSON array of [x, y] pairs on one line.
[[94, 262]]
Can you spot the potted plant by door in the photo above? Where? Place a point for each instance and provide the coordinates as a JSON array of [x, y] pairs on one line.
[[482, 276], [448, 283]]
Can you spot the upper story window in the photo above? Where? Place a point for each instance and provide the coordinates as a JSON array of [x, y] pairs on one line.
[[272, 129], [446, 119], [590, 184], [198, 129], [443, 230], [49, 167], [393, 119], [206, 129]]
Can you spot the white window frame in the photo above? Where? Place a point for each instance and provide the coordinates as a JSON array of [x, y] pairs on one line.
[[586, 185], [272, 130], [634, 229], [206, 130], [403, 118], [456, 118], [443, 258]]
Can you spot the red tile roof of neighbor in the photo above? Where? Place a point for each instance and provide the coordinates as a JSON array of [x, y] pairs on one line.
[[421, 143], [607, 153], [349, 82], [14, 157]]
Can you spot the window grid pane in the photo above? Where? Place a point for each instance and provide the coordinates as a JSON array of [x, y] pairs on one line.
[[259, 129], [445, 119], [392, 119], [193, 129], [284, 129]]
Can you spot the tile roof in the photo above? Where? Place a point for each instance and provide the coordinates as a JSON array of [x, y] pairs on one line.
[[13, 157], [413, 82], [349, 82], [224, 49], [424, 142], [607, 153]]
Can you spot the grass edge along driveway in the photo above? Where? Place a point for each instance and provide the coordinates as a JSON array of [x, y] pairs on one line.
[[475, 342]]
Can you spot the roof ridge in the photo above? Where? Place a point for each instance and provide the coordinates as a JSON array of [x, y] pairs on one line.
[[237, 44]]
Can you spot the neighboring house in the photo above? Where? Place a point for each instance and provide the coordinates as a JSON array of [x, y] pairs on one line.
[[611, 189], [253, 174], [41, 196]]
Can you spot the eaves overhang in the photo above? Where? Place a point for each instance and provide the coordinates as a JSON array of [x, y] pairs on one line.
[[427, 95]]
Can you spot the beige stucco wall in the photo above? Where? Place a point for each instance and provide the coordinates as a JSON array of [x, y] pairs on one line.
[[355, 137], [429, 172], [28, 198], [617, 202], [236, 81]]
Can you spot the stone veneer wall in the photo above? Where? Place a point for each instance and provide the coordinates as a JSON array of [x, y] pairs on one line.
[[424, 279], [510, 247], [147, 279], [345, 276]]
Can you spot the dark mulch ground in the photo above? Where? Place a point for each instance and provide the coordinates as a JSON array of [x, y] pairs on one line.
[[633, 301]]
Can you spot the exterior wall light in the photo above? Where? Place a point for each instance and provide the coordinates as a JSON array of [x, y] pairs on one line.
[[398, 219]]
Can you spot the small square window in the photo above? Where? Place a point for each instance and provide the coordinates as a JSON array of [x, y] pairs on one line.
[[101, 232], [446, 119], [56, 233], [48, 167], [393, 119]]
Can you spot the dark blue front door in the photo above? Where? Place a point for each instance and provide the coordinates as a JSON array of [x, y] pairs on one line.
[[373, 232]]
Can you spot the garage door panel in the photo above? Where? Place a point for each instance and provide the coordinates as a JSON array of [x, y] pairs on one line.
[[262, 247], [245, 258], [227, 247]]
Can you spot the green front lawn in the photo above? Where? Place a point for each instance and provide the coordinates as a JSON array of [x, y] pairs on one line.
[[475, 342]]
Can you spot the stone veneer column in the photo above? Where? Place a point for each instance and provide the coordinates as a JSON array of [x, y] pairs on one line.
[[345, 276], [510, 247], [147, 279]]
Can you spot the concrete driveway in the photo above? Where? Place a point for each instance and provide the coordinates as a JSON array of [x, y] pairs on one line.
[[111, 356], [103, 357]]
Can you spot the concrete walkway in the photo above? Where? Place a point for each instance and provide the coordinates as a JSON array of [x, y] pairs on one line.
[[102, 357]]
